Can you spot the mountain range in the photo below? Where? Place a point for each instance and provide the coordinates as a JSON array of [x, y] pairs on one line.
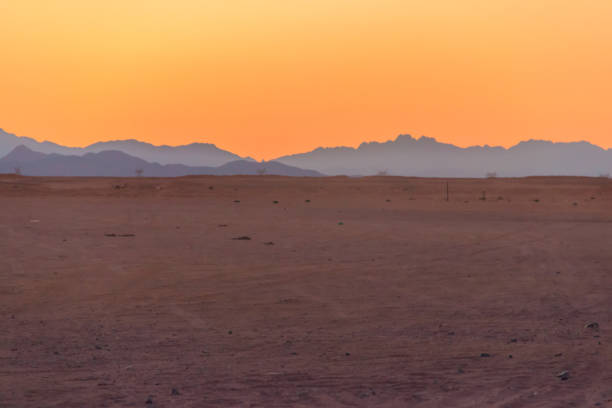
[[404, 156], [426, 157], [195, 154], [113, 163]]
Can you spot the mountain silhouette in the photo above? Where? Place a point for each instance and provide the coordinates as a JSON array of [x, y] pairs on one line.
[[114, 163], [404, 156], [195, 154], [426, 157]]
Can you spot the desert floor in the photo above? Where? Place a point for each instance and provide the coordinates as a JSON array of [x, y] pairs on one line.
[[376, 292]]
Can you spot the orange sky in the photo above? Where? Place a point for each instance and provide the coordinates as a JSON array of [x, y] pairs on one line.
[[271, 77]]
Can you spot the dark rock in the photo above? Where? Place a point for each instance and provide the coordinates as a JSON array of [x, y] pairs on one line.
[[563, 375], [149, 401], [592, 325], [269, 243], [242, 238], [485, 355], [175, 392]]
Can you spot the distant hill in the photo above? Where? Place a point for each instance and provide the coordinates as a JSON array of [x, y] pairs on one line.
[[404, 156], [195, 154], [114, 163], [426, 157]]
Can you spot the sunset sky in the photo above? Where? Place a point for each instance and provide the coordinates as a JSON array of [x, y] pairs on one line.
[[271, 77]]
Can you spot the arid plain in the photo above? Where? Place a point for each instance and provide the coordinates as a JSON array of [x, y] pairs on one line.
[[350, 292]]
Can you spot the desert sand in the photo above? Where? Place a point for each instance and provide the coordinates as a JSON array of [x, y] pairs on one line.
[[375, 292]]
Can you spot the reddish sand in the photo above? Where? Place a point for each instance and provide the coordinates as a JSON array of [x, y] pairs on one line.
[[360, 301]]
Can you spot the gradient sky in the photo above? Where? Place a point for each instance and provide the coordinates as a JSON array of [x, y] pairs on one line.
[[271, 77]]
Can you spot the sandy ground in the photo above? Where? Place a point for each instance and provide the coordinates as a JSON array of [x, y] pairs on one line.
[[376, 292]]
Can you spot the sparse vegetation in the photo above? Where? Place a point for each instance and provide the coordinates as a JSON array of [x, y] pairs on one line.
[[139, 172], [491, 174]]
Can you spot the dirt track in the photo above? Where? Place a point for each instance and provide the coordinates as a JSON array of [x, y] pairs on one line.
[[377, 292]]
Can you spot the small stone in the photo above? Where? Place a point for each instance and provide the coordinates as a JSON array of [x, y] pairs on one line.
[[229, 332], [509, 355], [347, 354], [242, 238], [563, 375], [149, 401], [485, 355], [592, 325], [175, 392], [269, 243], [513, 340]]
